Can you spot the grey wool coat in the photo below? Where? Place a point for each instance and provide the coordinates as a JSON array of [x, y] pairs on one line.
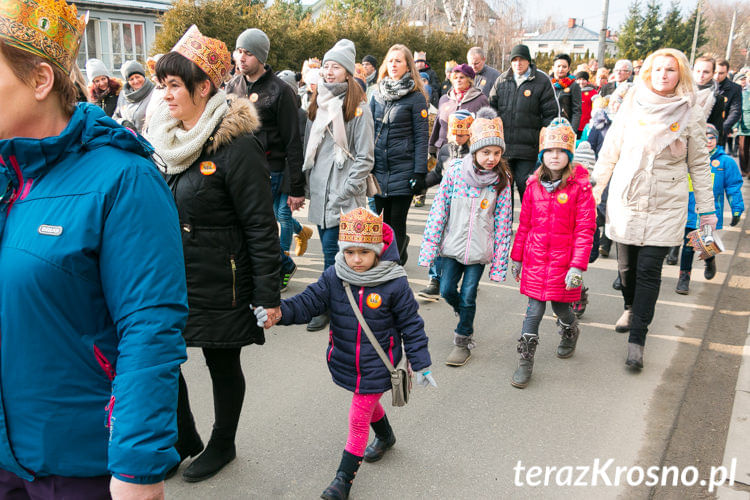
[[341, 186]]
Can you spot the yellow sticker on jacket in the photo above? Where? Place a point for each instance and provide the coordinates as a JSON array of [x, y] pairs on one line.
[[715, 163], [674, 127], [484, 204], [483, 83], [374, 301], [358, 112], [567, 89], [527, 92], [254, 97], [208, 167], [562, 198], [424, 113]]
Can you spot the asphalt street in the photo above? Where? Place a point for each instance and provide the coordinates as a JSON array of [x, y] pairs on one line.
[[471, 437]]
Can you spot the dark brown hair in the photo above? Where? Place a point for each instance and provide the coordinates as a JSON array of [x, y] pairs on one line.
[[354, 97], [175, 64], [709, 59], [24, 64], [723, 62]]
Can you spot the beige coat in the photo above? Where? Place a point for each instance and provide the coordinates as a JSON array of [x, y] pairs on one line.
[[650, 208]]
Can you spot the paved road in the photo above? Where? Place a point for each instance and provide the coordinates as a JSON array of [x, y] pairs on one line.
[[464, 439]]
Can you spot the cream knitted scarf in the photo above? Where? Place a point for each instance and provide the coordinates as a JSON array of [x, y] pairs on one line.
[[179, 148], [330, 102]]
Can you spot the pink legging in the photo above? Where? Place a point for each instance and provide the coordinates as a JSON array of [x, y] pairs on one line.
[[365, 408]]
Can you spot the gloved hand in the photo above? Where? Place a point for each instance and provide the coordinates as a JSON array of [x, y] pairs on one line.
[[515, 269], [574, 278], [425, 379], [735, 220], [709, 220], [417, 183], [260, 314]]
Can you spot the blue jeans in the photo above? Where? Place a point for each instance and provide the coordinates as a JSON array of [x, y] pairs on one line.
[[284, 217], [465, 302], [329, 240], [436, 269]]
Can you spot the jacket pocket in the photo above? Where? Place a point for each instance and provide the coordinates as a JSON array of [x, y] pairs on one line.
[[108, 412], [330, 345], [104, 363]]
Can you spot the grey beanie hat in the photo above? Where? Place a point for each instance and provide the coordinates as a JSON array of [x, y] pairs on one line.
[[288, 77], [256, 42], [132, 67], [343, 53], [585, 155], [94, 68]]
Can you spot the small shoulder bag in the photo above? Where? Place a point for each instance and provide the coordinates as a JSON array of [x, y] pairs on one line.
[[400, 379]]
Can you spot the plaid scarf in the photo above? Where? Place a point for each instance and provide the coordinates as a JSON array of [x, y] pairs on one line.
[[393, 90]]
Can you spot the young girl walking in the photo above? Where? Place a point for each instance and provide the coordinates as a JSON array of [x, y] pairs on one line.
[[469, 226], [553, 242], [368, 263]]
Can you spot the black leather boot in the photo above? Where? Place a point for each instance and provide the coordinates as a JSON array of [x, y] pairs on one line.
[[710, 271], [217, 454], [384, 440], [186, 447], [342, 483], [683, 284], [674, 253]]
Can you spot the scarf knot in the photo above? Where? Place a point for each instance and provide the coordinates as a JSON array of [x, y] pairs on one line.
[[393, 90]]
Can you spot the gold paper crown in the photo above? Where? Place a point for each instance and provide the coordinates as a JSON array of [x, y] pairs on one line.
[[559, 134], [449, 65], [482, 128], [361, 226], [600, 103], [209, 54], [47, 28], [458, 126]]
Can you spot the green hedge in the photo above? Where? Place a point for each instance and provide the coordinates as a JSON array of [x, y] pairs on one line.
[[293, 39]]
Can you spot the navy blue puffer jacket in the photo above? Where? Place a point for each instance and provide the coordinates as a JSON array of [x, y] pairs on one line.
[[389, 309], [401, 137]]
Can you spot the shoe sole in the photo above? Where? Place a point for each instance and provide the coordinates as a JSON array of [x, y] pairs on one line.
[[428, 296], [567, 355], [458, 364], [518, 384], [633, 365], [194, 479], [682, 292], [621, 329]]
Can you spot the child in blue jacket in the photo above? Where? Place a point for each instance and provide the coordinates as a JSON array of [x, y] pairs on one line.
[[368, 261], [727, 179]]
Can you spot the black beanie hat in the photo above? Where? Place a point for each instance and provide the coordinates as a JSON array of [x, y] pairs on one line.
[[521, 51], [370, 59]]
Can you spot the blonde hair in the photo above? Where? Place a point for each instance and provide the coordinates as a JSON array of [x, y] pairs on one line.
[[685, 85], [411, 67]]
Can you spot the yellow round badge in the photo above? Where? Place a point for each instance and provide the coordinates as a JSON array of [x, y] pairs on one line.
[[674, 127], [484, 82], [208, 167], [374, 301], [358, 112], [527, 93], [567, 90], [562, 198], [254, 97], [424, 113], [715, 163], [484, 204]]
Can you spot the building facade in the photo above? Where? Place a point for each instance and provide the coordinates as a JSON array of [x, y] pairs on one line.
[[573, 39]]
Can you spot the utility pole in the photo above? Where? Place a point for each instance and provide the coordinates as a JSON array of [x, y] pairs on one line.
[[696, 31], [731, 36], [603, 35]]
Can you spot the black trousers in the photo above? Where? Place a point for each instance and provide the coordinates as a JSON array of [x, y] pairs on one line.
[[640, 272], [228, 384], [521, 170], [395, 210]]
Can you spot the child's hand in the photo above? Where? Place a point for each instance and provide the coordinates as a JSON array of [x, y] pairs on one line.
[[574, 278], [515, 269], [425, 379]]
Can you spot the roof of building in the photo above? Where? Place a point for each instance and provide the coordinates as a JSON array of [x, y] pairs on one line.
[[158, 5], [576, 33]]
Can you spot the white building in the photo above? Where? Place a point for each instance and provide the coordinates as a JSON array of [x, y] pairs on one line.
[[573, 39]]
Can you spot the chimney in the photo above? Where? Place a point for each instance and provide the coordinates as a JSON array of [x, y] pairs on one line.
[[571, 22]]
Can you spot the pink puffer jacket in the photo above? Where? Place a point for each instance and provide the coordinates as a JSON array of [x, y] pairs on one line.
[[555, 233]]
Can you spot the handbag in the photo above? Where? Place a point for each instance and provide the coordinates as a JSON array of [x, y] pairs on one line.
[[400, 378]]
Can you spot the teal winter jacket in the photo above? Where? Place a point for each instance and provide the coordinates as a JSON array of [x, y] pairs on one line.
[[92, 305], [727, 179]]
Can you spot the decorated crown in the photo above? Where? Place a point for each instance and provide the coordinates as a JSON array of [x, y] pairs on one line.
[[482, 128], [47, 28], [559, 134], [209, 54], [361, 226], [449, 65], [460, 125]]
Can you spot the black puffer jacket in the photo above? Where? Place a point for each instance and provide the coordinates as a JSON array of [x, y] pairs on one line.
[[732, 95], [401, 135], [279, 133], [570, 103], [229, 234], [524, 111]]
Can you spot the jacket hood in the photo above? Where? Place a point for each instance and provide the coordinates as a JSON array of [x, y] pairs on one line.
[[88, 129], [390, 252], [718, 152], [242, 118]]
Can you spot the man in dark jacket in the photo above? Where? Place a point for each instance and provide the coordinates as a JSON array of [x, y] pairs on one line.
[[731, 93], [276, 103], [525, 101], [623, 73], [486, 76], [703, 72]]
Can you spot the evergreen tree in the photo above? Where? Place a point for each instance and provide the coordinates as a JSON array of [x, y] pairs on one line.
[[689, 28], [651, 34], [628, 41], [673, 28]]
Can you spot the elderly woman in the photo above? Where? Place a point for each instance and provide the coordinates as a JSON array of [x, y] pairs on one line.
[[657, 138], [134, 98], [217, 171], [93, 289], [462, 95], [399, 109]]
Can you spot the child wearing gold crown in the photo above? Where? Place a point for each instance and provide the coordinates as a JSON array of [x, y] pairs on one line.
[[469, 226], [553, 242], [367, 262]]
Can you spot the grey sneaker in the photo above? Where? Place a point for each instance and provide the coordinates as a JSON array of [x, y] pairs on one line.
[[623, 324], [635, 356]]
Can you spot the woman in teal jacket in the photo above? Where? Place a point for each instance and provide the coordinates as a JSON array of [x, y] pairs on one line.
[[92, 295]]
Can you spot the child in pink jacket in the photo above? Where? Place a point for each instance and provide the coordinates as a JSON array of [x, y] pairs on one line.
[[553, 243], [469, 226]]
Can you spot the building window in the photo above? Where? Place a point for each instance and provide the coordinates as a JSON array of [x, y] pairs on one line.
[[90, 45], [578, 46], [542, 45], [127, 41]]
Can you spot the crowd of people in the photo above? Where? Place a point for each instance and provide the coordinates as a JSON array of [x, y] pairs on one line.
[[124, 240]]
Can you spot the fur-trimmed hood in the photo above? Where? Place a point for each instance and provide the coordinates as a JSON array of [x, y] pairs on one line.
[[242, 118]]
